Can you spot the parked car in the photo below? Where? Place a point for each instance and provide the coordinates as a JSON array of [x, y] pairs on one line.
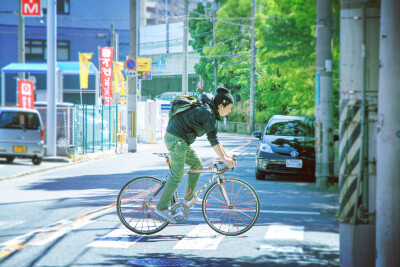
[[286, 147], [21, 134], [168, 96]]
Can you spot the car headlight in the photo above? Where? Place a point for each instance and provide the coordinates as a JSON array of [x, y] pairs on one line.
[[266, 148]]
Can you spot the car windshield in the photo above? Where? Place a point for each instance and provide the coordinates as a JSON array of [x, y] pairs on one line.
[[290, 128], [19, 120]]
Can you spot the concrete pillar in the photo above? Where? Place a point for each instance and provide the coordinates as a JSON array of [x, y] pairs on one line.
[[388, 140], [359, 46]]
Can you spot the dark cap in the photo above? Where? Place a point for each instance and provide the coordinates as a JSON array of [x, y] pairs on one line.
[[223, 96]]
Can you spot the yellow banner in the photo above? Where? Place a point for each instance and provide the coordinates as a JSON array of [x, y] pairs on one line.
[[119, 80], [84, 69], [143, 64]]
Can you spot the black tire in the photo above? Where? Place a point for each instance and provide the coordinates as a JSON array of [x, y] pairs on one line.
[[10, 159], [137, 214], [260, 175], [36, 160], [243, 209]]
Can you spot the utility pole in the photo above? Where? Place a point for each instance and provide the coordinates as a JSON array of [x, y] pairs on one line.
[[21, 38], [253, 66], [359, 81], [323, 95], [51, 77], [388, 141], [215, 66], [185, 50], [132, 84], [166, 26]]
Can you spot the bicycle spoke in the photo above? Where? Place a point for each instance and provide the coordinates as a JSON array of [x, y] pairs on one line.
[[136, 204], [235, 217]]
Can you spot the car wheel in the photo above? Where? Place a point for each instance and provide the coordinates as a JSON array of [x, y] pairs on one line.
[[260, 175], [10, 159], [36, 161]]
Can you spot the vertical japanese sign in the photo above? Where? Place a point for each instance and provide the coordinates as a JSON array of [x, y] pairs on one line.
[[119, 80], [26, 97], [84, 69], [106, 63]]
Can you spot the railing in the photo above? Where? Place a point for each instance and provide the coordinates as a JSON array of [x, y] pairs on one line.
[[149, 130], [95, 128]]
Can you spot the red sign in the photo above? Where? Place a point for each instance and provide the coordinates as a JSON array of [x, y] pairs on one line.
[[106, 62], [31, 8], [26, 97]]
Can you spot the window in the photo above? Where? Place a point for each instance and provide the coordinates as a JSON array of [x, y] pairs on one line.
[[35, 50], [19, 120], [63, 7]]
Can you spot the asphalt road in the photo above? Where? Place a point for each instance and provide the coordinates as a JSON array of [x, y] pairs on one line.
[[67, 217]]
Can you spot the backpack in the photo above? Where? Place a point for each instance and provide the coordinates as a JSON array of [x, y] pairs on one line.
[[182, 103]]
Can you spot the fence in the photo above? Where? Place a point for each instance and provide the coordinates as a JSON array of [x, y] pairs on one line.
[[64, 128], [95, 128]]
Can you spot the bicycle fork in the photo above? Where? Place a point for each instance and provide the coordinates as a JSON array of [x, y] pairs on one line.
[[222, 189]]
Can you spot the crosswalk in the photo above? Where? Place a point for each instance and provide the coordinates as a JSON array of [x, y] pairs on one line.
[[271, 238]]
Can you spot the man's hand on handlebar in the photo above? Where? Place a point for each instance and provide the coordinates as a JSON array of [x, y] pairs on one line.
[[229, 162]]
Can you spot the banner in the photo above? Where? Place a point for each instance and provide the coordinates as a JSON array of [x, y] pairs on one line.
[[119, 80], [144, 68], [84, 69], [26, 96], [106, 59]]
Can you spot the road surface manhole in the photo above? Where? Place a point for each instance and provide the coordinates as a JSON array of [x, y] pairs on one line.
[[160, 262]]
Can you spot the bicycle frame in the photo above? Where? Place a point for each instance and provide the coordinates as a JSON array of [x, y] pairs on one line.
[[199, 190]]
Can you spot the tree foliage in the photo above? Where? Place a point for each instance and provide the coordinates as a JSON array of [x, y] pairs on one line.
[[285, 52]]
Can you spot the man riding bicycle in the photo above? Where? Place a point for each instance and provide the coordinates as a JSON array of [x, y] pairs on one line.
[[182, 131]]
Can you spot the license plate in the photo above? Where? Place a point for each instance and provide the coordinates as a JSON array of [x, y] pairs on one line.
[[19, 149], [294, 163]]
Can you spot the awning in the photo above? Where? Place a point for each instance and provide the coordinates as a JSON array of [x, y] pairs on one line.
[[69, 67]]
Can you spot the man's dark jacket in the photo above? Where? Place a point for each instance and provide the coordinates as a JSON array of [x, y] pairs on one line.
[[196, 122]]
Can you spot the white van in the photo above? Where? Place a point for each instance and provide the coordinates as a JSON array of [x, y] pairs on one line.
[[21, 134]]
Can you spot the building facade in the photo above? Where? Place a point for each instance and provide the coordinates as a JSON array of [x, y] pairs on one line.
[[83, 27]]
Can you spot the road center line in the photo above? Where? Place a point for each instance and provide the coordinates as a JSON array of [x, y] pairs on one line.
[[279, 211]]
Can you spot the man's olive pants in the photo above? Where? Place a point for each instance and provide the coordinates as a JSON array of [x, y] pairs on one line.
[[180, 154]]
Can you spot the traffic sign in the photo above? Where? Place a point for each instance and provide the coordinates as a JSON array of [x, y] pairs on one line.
[[31, 8], [130, 64]]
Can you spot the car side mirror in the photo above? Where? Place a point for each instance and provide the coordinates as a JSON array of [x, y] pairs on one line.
[[257, 134]]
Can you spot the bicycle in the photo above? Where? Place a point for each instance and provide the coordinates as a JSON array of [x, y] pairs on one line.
[[228, 200]]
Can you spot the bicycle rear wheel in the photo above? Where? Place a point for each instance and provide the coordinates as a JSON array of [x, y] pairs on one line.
[[235, 217], [136, 205]]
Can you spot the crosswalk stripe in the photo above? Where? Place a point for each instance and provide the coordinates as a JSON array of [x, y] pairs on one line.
[[120, 238], [278, 237], [202, 237]]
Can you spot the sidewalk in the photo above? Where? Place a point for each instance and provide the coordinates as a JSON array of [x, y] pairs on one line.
[[23, 167]]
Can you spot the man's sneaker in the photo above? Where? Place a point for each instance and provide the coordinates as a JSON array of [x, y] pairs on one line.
[[166, 215], [196, 201]]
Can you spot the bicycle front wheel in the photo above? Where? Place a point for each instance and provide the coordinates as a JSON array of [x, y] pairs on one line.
[[136, 205], [236, 215]]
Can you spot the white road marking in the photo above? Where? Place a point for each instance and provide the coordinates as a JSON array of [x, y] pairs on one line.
[[279, 211], [120, 238], [202, 237], [279, 238], [47, 234], [9, 224]]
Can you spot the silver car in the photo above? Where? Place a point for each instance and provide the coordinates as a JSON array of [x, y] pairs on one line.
[[21, 134]]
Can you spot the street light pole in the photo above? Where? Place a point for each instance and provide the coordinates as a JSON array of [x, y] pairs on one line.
[[132, 84], [51, 77], [253, 67]]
